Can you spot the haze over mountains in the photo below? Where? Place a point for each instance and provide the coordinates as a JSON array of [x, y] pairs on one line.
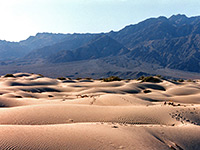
[[166, 46]]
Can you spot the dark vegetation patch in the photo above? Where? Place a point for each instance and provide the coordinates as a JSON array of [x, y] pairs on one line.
[[112, 78], [189, 80], [180, 80], [150, 79], [171, 103]]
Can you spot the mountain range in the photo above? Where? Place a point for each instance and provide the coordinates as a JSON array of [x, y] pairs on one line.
[[165, 46]]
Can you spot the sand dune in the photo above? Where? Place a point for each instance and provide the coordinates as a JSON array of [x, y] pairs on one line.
[[42, 113], [99, 136]]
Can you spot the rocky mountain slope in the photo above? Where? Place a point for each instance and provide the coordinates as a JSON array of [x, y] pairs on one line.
[[103, 46], [172, 42], [151, 45]]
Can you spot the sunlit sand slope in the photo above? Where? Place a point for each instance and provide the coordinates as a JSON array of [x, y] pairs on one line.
[[42, 113]]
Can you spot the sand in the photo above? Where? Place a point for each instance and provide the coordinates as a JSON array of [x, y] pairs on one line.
[[43, 113]]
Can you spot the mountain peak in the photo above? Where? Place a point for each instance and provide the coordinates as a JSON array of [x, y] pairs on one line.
[[178, 17]]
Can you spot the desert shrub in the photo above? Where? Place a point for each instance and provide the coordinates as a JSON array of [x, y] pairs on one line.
[[180, 80], [112, 78], [9, 75], [61, 78], [141, 78], [40, 75], [161, 77], [189, 80], [151, 79]]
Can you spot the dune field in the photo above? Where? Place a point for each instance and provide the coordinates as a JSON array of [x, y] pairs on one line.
[[43, 113]]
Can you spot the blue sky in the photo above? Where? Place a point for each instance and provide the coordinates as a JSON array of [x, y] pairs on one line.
[[22, 18]]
